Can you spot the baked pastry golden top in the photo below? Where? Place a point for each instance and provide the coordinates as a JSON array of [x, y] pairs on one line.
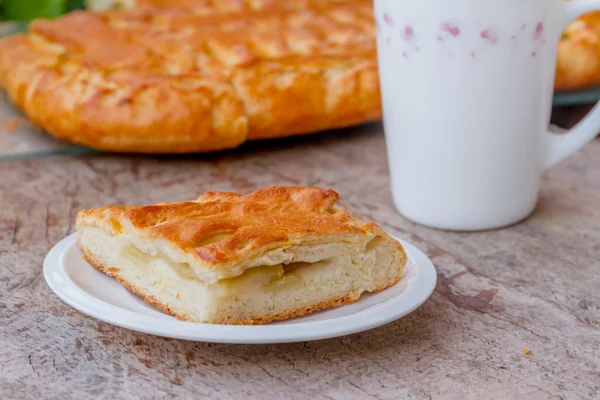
[[579, 54], [168, 80], [223, 230], [211, 7]]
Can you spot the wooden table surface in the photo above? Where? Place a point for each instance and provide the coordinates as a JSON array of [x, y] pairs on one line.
[[536, 285]]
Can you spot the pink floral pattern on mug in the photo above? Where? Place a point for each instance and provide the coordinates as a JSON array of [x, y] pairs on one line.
[[490, 36], [538, 38], [451, 30]]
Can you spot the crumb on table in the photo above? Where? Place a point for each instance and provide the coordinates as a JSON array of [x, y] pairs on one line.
[[526, 351], [11, 124]]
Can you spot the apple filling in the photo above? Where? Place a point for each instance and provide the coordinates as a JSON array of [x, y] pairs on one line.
[[269, 278]]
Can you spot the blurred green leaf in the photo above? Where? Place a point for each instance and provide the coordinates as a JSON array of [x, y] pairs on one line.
[[75, 4], [25, 10]]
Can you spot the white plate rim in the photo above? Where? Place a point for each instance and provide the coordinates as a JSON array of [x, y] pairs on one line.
[[417, 292]]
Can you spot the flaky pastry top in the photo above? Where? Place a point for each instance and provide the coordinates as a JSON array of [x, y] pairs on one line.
[[221, 228], [210, 77], [146, 45]]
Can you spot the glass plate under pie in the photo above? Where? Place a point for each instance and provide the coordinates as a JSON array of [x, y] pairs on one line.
[[577, 96]]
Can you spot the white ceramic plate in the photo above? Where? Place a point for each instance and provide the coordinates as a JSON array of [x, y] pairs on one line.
[[78, 284]]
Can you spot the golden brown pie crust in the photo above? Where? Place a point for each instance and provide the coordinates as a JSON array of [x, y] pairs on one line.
[[256, 222], [171, 81], [578, 63]]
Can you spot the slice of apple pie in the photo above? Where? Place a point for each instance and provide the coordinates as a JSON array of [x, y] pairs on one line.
[[226, 258]]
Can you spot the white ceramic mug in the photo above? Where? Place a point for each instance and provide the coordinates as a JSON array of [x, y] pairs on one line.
[[467, 89]]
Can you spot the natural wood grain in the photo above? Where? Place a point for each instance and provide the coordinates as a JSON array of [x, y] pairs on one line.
[[531, 285]]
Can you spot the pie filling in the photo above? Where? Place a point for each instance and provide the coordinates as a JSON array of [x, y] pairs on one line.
[[268, 278]]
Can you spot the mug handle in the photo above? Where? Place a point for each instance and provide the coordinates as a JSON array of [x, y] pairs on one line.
[[560, 146]]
